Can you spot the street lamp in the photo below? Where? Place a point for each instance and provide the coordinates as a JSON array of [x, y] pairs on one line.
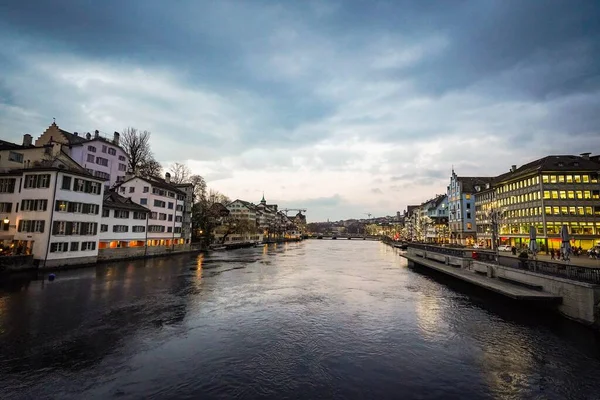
[[6, 221]]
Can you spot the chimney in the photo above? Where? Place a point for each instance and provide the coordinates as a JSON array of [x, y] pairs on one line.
[[513, 168], [116, 138], [75, 133], [168, 177], [96, 134], [585, 156], [88, 136], [27, 139]]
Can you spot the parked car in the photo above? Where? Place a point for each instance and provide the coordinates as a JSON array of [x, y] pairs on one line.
[[504, 247]]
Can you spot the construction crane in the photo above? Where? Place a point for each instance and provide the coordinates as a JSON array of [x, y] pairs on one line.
[[301, 210]]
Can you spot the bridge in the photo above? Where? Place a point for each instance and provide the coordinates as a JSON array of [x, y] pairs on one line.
[[346, 236]]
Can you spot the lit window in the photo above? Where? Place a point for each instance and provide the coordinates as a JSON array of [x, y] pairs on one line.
[[569, 178], [579, 194], [577, 178], [571, 194], [561, 179], [552, 178], [468, 196], [555, 194], [587, 194], [545, 179], [564, 210], [562, 194]]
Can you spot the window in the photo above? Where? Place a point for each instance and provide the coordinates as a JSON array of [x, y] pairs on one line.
[[177, 229], [139, 215], [61, 205], [587, 194], [159, 203], [112, 152], [91, 149], [179, 218], [90, 228], [577, 178], [143, 201], [59, 247], [37, 181], [179, 208], [104, 148], [16, 157], [59, 228], [162, 216], [553, 179], [105, 213], [7, 185], [579, 194], [555, 194], [131, 189], [569, 178], [121, 214], [74, 246], [102, 161], [34, 205], [562, 194], [88, 246], [120, 228], [170, 206], [170, 217], [548, 210], [153, 215], [469, 225], [146, 189], [169, 229], [156, 228], [138, 228], [468, 215], [121, 158], [561, 179], [468, 206], [103, 175], [31, 226], [6, 207], [103, 228], [91, 158], [122, 167]]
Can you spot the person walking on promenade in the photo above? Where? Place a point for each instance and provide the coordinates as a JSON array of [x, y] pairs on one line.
[[552, 254]]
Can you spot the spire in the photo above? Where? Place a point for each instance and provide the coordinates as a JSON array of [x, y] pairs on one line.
[[263, 201]]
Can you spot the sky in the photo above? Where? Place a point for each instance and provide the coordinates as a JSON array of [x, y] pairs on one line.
[[345, 108]]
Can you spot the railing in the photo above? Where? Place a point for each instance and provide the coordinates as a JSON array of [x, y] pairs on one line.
[[436, 249], [572, 272]]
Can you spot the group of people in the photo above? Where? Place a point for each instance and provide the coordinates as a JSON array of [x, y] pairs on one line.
[[557, 254]]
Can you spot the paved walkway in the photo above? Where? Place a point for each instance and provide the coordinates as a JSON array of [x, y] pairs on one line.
[[581, 261], [495, 285]]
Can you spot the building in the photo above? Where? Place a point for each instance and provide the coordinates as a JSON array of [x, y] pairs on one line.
[[166, 203], [123, 229], [51, 212], [102, 157], [186, 210], [548, 193], [461, 207], [485, 220], [435, 220], [16, 156]]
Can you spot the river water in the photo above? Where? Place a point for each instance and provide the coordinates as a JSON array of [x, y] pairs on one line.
[[318, 319]]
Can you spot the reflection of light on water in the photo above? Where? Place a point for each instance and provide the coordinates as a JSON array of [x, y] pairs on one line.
[[199, 262], [265, 248], [2, 313], [429, 316]]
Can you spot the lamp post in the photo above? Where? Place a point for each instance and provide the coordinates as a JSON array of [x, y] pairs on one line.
[[494, 217]]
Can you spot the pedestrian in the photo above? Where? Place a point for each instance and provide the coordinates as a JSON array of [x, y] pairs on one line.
[[552, 254]]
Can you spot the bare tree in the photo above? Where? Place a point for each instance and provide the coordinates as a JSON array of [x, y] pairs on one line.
[[180, 173], [137, 146], [214, 196], [199, 188]]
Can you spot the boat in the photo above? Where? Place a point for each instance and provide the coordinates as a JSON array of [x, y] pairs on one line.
[[218, 248], [334, 237]]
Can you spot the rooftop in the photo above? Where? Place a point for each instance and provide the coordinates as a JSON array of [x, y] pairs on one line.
[[114, 200]]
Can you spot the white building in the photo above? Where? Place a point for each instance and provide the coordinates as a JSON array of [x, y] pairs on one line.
[[242, 210], [53, 213], [102, 157], [124, 223], [166, 204]]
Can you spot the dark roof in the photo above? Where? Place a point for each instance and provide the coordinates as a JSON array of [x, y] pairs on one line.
[[246, 203], [155, 181], [410, 209], [4, 145], [469, 182], [555, 163], [114, 200], [71, 138], [41, 168]]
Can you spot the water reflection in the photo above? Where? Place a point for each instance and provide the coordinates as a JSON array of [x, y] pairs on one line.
[[318, 319]]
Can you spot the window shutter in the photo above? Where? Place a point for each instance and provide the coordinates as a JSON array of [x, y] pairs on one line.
[[69, 228], [55, 226], [20, 229], [42, 225], [95, 228]]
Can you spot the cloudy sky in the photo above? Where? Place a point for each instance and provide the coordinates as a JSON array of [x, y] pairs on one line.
[[341, 107]]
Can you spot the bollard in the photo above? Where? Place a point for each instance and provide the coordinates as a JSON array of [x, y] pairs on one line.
[[51, 277]]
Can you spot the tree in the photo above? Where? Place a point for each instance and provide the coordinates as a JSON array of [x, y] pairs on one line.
[[137, 146], [232, 225], [180, 173]]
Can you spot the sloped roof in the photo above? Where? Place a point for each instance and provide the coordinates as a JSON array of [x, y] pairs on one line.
[[553, 163], [71, 138], [155, 181], [114, 200], [245, 203], [4, 145], [469, 182]]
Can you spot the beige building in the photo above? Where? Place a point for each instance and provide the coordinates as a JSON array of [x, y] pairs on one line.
[[547, 194]]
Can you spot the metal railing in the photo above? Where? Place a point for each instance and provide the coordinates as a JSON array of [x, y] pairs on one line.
[[572, 272], [437, 249]]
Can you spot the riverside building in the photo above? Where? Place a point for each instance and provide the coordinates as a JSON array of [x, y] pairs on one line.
[[548, 193]]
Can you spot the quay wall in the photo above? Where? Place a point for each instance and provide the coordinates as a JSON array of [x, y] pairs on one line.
[[580, 300]]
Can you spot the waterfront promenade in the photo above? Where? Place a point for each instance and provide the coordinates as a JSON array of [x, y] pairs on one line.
[[581, 261]]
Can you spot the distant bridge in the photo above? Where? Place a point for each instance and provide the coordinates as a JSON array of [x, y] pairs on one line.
[[346, 236]]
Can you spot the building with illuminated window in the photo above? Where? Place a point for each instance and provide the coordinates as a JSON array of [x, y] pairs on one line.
[[548, 193], [461, 207], [485, 204]]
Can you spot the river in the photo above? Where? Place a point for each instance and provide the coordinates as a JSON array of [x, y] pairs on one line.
[[331, 319]]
